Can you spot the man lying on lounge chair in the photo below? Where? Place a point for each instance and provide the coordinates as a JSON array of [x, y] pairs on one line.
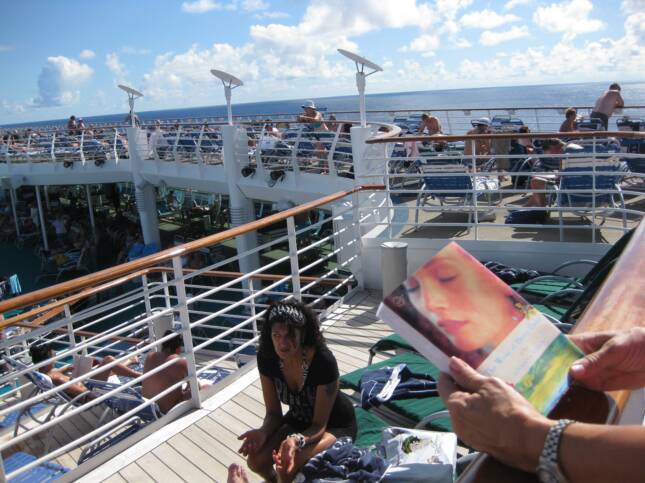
[[166, 377], [40, 352]]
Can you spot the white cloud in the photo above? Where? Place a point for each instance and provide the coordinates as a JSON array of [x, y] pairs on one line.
[[423, 43], [570, 18], [511, 4], [253, 5], [86, 54], [58, 79], [487, 19], [273, 15], [115, 66], [6, 47], [201, 6], [489, 37]]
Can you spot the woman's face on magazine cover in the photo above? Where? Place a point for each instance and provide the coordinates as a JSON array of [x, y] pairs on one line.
[[473, 312]]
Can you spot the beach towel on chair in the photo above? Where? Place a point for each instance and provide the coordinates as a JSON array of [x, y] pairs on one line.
[[398, 382]]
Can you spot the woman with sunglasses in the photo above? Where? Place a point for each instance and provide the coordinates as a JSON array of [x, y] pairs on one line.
[[297, 369]]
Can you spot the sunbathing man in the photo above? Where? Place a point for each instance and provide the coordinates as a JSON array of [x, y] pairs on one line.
[[162, 380], [40, 352], [607, 103]]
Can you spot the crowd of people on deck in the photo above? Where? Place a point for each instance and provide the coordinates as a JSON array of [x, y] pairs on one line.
[[298, 370]]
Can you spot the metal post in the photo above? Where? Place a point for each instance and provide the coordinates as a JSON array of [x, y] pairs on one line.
[[70, 326], [180, 288], [46, 191], [293, 257], [360, 83], [358, 242], [41, 217], [473, 182], [253, 311], [81, 147], [90, 208], [12, 195], [394, 265], [593, 191], [166, 292]]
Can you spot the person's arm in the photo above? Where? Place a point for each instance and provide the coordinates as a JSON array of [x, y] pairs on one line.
[[273, 415], [490, 416], [620, 103]]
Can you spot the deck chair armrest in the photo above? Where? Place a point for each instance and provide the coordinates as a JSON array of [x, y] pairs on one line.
[[572, 263], [562, 293], [432, 417], [550, 278]]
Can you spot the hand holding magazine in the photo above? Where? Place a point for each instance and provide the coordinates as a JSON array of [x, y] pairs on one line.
[[454, 306]]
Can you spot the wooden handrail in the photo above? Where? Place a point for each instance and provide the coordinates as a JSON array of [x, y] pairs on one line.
[[531, 135], [619, 304], [167, 255], [40, 320], [258, 276], [16, 320]]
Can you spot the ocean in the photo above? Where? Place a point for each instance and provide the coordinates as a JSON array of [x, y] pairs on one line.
[[560, 95]]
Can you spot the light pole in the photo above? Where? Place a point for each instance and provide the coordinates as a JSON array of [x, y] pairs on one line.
[[230, 82], [132, 95], [361, 63]]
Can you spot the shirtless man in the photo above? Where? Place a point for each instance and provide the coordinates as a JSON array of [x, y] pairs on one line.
[[40, 352], [606, 104], [482, 146], [569, 124], [168, 376]]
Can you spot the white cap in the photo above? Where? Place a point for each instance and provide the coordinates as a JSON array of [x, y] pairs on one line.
[[310, 104], [482, 121]]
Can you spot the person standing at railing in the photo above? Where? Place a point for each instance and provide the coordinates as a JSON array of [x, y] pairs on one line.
[[490, 416], [607, 103], [569, 124], [296, 368], [482, 146], [312, 116]]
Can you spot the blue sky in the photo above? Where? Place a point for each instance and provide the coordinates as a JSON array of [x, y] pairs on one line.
[[63, 57]]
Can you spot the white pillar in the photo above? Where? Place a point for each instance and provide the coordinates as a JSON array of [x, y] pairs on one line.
[[241, 208], [12, 195], [144, 192], [90, 208], [41, 217], [394, 265]]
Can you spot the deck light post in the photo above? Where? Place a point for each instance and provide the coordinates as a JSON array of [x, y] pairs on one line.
[[133, 94], [230, 82], [361, 63]]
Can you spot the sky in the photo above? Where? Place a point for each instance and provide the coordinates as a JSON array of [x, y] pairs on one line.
[[63, 57]]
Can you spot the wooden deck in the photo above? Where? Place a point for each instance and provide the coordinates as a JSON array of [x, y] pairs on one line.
[[200, 445]]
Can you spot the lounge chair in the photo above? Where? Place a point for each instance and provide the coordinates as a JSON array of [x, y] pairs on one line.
[[44, 472], [421, 412], [450, 183], [583, 204]]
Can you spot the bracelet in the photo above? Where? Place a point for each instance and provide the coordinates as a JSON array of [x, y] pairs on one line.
[[300, 440]]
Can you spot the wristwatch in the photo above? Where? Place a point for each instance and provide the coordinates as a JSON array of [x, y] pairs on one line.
[[548, 470]]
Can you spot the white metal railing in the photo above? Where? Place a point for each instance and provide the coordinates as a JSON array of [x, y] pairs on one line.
[[217, 319], [427, 190]]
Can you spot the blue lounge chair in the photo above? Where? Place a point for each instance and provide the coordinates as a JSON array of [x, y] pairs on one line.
[[44, 472], [608, 189]]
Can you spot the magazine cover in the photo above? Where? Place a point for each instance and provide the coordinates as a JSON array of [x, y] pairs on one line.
[[454, 306]]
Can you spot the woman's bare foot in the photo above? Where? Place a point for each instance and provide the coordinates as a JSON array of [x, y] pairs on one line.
[[237, 474]]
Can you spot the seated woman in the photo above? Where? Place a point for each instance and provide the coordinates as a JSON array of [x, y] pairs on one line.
[[297, 369]]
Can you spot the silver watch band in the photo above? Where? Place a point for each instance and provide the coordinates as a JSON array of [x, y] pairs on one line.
[[549, 469]]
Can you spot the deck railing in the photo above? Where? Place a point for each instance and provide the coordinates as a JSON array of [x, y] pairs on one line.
[[433, 188], [119, 312]]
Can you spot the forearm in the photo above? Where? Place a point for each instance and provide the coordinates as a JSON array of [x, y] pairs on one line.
[[594, 452], [271, 423], [314, 433]]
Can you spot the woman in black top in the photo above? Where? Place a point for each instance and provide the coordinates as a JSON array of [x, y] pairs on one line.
[[297, 369]]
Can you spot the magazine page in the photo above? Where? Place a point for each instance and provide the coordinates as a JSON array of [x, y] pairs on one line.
[[454, 306], [82, 365]]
